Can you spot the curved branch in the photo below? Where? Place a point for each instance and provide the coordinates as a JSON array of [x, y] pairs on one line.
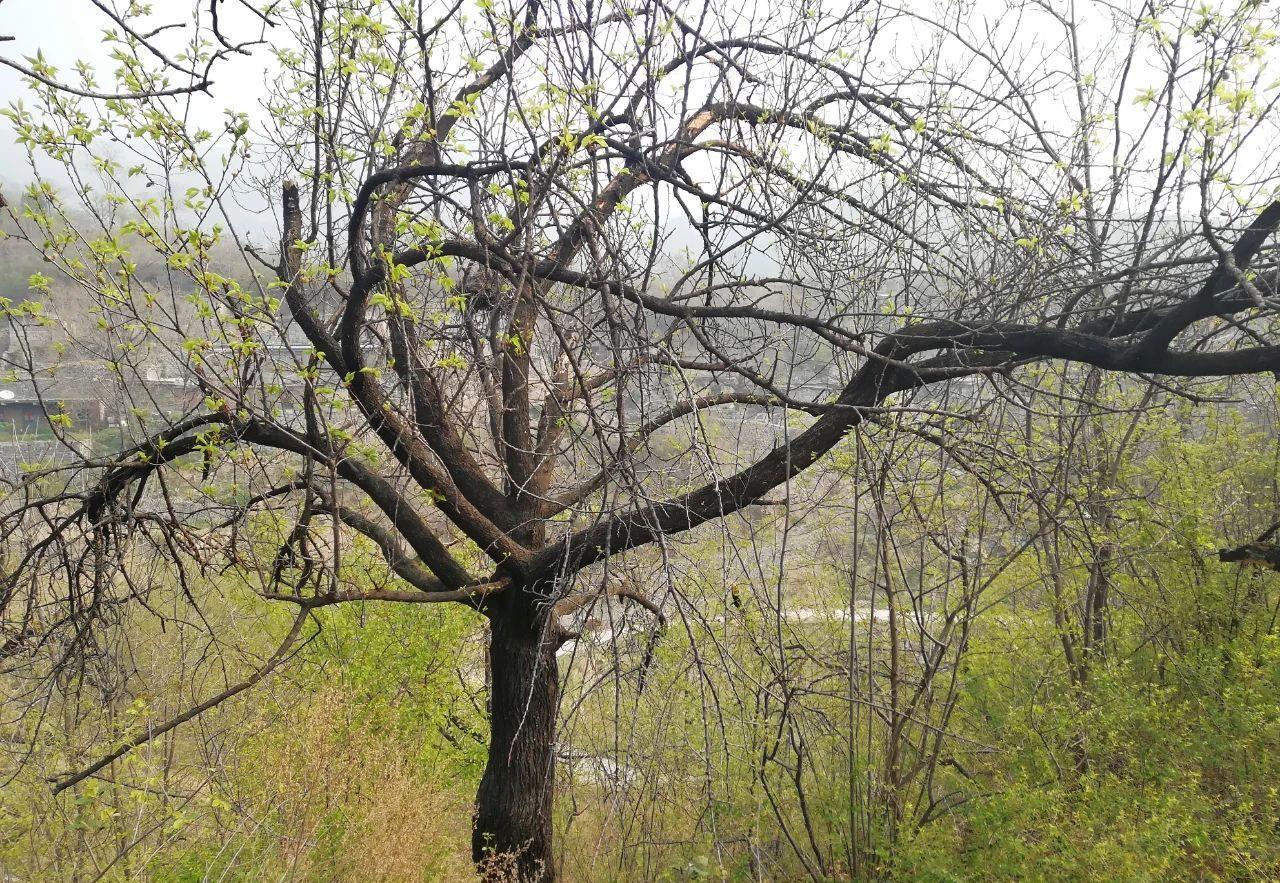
[[1099, 343], [472, 596], [67, 780]]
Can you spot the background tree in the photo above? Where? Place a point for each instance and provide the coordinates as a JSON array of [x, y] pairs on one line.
[[527, 253]]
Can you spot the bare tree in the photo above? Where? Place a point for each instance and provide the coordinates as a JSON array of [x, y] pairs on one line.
[[526, 257]]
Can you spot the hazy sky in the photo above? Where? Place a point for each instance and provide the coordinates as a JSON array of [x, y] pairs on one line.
[[71, 30]]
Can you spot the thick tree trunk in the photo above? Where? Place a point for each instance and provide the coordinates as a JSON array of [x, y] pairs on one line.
[[512, 835]]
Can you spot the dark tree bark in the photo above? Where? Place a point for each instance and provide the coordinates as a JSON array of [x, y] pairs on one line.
[[1258, 554], [511, 839]]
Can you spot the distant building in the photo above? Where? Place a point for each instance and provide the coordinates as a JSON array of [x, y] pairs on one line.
[[26, 404]]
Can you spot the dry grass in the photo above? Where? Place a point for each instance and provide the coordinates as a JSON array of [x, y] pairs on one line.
[[348, 806]]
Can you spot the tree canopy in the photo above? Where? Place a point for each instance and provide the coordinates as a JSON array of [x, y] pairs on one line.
[[507, 269]]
